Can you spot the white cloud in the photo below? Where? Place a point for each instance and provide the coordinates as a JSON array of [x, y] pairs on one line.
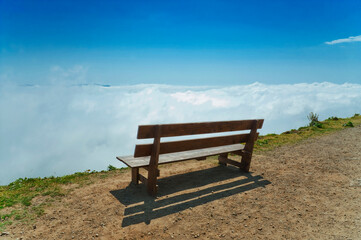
[[59, 129], [344, 40], [196, 98]]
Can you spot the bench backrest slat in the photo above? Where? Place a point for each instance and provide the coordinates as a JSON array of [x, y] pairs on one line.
[[142, 150], [182, 129]]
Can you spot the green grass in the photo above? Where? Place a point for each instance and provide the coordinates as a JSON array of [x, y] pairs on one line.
[[330, 125], [17, 199]]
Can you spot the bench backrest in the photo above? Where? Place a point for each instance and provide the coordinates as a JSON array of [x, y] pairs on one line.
[[184, 129]]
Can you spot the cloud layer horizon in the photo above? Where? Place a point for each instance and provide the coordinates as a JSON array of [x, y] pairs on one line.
[[57, 130]]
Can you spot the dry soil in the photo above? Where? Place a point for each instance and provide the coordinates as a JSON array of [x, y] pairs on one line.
[[310, 190]]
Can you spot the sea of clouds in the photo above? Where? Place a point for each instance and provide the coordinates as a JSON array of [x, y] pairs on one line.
[[57, 130]]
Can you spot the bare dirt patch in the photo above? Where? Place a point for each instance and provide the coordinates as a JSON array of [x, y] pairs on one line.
[[309, 190]]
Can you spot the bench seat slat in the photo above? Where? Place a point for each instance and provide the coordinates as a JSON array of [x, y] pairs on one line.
[[131, 161]]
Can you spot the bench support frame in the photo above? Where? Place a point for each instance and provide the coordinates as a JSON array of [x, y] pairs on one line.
[[153, 171], [156, 134], [248, 148], [135, 175]]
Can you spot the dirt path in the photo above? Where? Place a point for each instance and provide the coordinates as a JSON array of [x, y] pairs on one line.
[[311, 190]]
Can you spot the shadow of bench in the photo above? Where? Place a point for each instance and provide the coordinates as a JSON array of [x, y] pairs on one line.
[[194, 191]]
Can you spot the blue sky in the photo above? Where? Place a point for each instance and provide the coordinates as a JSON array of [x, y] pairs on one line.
[[180, 42], [207, 54]]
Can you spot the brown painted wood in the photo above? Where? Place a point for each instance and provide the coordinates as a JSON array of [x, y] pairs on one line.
[[149, 156], [248, 148], [131, 161], [135, 175], [142, 150], [221, 158], [181, 129], [153, 163]]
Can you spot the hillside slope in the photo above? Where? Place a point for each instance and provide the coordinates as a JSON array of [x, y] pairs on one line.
[[309, 190]]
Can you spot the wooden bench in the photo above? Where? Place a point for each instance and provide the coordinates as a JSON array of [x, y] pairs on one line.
[[149, 156]]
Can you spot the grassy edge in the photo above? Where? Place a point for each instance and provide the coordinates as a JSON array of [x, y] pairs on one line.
[[330, 125], [26, 199], [18, 200]]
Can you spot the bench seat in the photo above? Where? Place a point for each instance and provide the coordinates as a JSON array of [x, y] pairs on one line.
[[133, 162]]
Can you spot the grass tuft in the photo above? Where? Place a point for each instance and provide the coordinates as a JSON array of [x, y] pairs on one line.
[[333, 118], [348, 124], [111, 168]]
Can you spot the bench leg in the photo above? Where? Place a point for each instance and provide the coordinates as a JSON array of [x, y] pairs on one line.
[[152, 182], [221, 159], [246, 162], [135, 176], [248, 148]]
